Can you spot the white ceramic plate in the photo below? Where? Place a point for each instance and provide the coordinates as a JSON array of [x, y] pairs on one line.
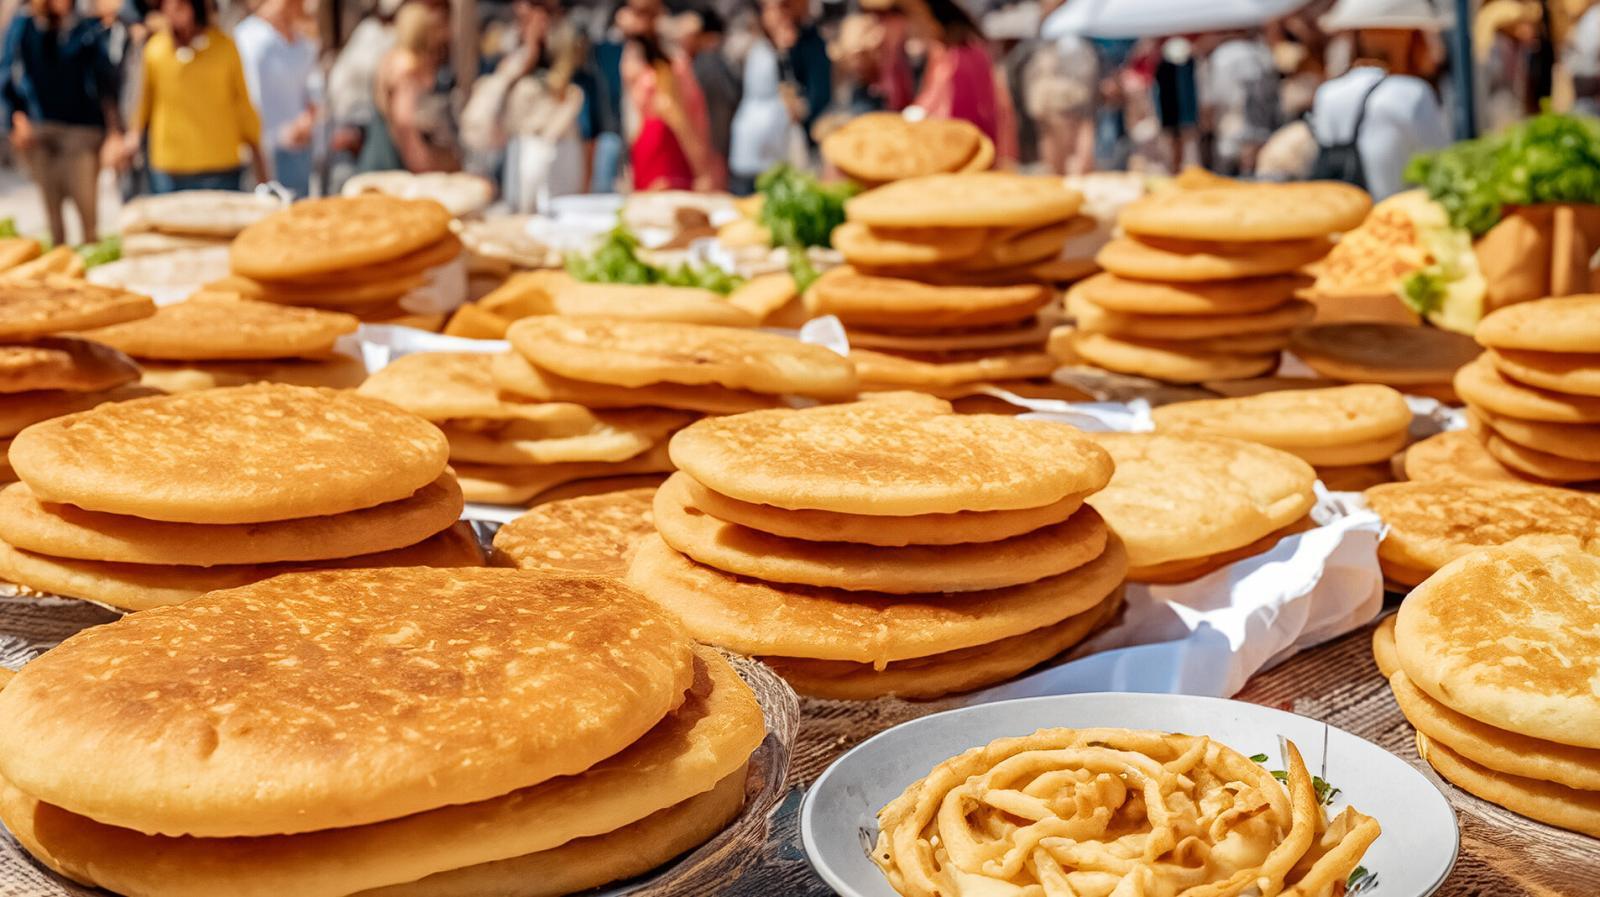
[[838, 820]]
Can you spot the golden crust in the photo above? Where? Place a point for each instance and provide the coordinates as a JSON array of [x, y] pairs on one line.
[[209, 328], [319, 236], [249, 454], [32, 308], [360, 696], [593, 534], [65, 363]]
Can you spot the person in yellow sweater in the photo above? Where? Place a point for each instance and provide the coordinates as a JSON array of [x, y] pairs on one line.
[[195, 106]]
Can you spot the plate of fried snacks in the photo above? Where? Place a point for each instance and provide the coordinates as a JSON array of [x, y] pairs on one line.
[[1099, 795]]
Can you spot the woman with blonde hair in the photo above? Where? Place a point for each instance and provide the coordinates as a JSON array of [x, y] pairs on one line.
[[60, 94], [411, 129]]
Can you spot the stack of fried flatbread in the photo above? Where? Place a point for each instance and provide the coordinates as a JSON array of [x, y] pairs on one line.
[[1534, 394], [1348, 433], [882, 147], [219, 339], [940, 294], [1431, 523], [189, 219], [155, 501], [43, 375], [506, 450], [1493, 659], [1201, 286], [372, 255], [384, 733], [1413, 359], [1186, 505], [883, 547]]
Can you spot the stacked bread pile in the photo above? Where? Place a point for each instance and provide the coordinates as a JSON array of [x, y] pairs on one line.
[[1534, 394], [393, 732], [189, 219], [1429, 524], [1186, 505], [594, 535], [219, 339], [368, 255], [43, 375], [937, 296], [1350, 434], [509, 451], [881, 147], [1201, 286], [155, 501], [1417, 360], [884, 547], [1493, 660]]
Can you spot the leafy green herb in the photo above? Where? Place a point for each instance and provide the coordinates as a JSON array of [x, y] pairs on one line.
[[616, 260], [1259, 758], [1423, 291], [1361, 879], [798, 210], [102, 252], [1281, 776], [1547, 158], [8, 227], [801, 269], [1325, 792]]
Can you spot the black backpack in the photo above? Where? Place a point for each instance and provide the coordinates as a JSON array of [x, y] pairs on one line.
[[1342, 161]]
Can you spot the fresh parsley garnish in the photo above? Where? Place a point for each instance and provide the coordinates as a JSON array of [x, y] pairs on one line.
[[616, 260], [1259, 758]]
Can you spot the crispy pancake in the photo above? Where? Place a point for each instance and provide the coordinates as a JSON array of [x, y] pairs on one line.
[[868, 300], [1432, 524], [64, 363], [593, 534], [518, 378], [1392, 354], [886, 458], [336, 699], [1480, 383], [332, 234], [443, 386], [211, 328], [507, 485], [33, 308], [1339, 417], [1567, 324]]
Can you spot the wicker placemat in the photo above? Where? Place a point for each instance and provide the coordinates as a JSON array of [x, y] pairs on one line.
[[1502, 854]]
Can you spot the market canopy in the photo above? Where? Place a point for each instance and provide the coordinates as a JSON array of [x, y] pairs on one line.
[[1157, 18]]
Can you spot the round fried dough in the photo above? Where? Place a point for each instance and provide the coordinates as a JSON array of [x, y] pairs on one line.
[[594, 534], [1228, 297], [232, 714], [69, 532], [706, 739], [1455, 457], [23, 409], [1432, 524], [1535, 463], [249, 454], [356, 298], [1188, 570], [1047, 551], [135, 587], [866, 300], [1094, 319], [208, 213], [882, 458], [1181, 497], [498, 484], [1244, 212], [1392, 354], [1510, 636], [441, 386], [1163, 363], [33, 308], [1566, 372], [890, 532], [1496, 749], [906, 246], [950, 672], [1243, 344], [1579, 442], [635, 354], [1547, 802], [880, 147], [1190, 261], [337, 371], [1480, 383], [883, 370], [615, 436], [975, 199], [1567, 324], [629, 302], [514, 375], [763, 619], [1028, 334], [209, 328], [1292, 419], [1024, 247], [318, 236], [1384, 653], [65, 363]]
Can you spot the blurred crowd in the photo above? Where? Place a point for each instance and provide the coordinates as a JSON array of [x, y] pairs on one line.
[[554, 97]]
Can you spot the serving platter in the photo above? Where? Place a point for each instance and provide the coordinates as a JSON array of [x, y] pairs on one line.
[[1412, 858]]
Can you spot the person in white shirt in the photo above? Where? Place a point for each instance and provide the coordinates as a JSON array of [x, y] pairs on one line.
[[280, 62], [1370, 121]]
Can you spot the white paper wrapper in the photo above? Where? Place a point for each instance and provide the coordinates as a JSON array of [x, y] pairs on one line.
[[1209, 636]]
